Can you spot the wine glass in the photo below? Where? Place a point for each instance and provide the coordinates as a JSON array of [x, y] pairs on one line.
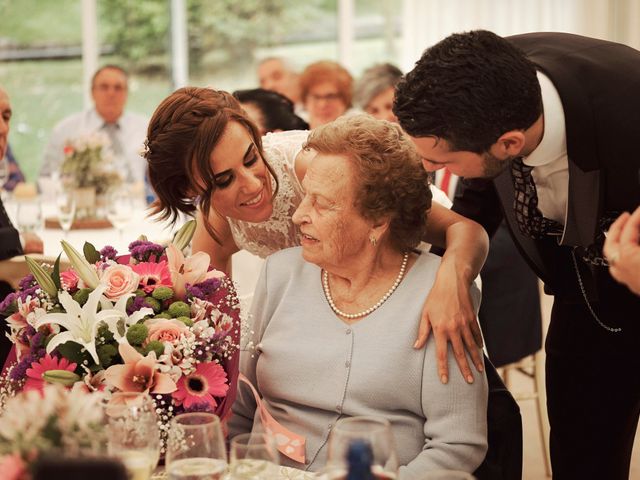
[[66, 210], [373, 431], [29, 214], [195, 447], [120, 210], [133, 433], [253, 456]]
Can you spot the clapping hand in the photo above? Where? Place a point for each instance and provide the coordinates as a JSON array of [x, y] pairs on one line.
[[622, 250]]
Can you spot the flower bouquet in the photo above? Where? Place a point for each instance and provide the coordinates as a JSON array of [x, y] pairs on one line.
[[152, 321], [88, 170]]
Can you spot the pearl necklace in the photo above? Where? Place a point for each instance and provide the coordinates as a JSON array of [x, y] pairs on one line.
[[327, 292]]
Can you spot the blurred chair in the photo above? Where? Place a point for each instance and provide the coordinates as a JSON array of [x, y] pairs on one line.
[[532, 367]]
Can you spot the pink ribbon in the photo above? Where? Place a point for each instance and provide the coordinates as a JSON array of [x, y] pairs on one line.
[[289, 444]]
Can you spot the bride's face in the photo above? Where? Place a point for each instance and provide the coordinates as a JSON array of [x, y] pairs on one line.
[[243, 183]]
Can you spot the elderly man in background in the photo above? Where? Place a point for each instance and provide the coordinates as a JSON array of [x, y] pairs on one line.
[[11, 242], [126, 130], [276, 74]]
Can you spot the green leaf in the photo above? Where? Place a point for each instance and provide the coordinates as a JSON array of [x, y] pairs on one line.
[[55, 275], [90, 253]]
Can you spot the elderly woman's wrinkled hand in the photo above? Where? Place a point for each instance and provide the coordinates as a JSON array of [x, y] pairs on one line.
[[622, 250], [448, 311]]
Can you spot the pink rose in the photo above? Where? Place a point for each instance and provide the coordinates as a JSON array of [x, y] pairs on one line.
[[69, 279], [119, 280], [165, 330]]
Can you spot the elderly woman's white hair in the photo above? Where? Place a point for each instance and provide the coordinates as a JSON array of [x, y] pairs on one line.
[[374, 81]]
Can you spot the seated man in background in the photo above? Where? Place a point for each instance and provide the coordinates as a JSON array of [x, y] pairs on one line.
[[11, 244], [277, 75], [126, 130]]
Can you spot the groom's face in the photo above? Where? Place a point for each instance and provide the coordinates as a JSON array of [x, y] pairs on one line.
[[436, 154]]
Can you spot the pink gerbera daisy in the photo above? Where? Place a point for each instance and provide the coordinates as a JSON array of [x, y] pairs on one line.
[[200, 387], [153, 275], [45, 364]]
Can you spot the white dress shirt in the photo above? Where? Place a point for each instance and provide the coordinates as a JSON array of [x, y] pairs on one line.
[[549, 159], [131, 132]]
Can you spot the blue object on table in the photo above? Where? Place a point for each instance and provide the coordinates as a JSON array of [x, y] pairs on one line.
[[359, 460]]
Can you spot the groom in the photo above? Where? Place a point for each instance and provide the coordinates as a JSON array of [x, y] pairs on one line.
[[544, 127]]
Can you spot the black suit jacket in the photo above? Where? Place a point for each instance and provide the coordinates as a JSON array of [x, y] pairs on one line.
[[9, 238], [599, 86]]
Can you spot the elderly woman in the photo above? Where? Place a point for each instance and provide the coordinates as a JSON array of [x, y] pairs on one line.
[[331, 318], [375, 90], [326, 91]]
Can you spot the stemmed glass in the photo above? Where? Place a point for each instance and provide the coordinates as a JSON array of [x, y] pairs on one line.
[[133, 433], [120, 210], [195, 447], [66, 209], [376, 432], [253, 456], [29, 214]]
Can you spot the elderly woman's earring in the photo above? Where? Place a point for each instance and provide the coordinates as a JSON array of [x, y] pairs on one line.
[[373, 240]]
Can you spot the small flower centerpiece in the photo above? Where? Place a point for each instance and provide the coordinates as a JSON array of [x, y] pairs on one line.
[[88, 170], [55, 421], [153, 321]]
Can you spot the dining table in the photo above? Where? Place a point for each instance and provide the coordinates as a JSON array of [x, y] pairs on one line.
[[245, 266], [284, 473]]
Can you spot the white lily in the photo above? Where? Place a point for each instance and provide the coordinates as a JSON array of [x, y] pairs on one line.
[[81, 323], [119, 325]]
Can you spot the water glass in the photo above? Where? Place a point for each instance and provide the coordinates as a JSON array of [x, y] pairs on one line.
[[376, 432], [196, 448], [133, 433], [120, 209], [253, 456], [29, 215], [66, 210]]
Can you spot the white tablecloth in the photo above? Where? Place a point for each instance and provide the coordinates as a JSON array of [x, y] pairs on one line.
[[246, 267]]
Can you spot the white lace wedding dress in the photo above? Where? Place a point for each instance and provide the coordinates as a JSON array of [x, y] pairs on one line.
[[278, 232]]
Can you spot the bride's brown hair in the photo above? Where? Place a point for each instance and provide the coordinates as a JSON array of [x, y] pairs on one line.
[[183, 131]]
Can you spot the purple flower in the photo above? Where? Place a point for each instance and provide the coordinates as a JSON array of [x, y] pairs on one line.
[[20, 370], [6, 303], [27, 282], [137, 304], [28, 292], [108, 253], [145, 251], [203, 290]]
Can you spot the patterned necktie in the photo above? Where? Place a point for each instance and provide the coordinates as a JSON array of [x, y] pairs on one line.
[[120, 163], [530, 219]]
